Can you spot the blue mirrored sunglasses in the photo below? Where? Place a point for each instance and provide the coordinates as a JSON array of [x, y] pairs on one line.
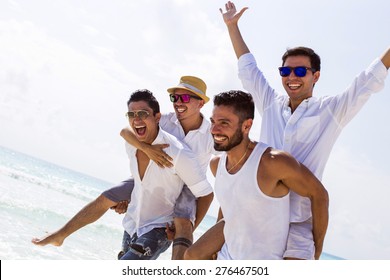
[[299, 71]]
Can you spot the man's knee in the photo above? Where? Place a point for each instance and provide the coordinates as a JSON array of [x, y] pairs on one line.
[[103, 202], [189, 254]]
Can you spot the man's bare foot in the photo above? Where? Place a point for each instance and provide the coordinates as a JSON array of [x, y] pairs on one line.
[[52, 239]]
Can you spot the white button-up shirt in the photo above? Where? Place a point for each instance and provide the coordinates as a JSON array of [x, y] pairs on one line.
[[311, 131], [154, 197]]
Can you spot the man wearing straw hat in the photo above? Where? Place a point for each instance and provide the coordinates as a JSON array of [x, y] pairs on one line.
[[189, 126]]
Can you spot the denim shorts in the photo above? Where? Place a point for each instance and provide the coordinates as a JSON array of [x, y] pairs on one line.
[[148, 246]]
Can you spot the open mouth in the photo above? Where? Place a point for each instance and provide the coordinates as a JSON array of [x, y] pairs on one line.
[[219, 138], [180, 109], [293, 86], [140, 130]]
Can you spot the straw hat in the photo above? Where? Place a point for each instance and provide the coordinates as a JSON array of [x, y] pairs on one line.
[[193, 84]]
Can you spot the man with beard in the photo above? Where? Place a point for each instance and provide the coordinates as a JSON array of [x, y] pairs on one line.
[[297, 122], [252, 184]]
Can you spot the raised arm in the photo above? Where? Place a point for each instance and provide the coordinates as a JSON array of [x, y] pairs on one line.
[[231, 18], [386, 58], [154, 152], [299, 179]]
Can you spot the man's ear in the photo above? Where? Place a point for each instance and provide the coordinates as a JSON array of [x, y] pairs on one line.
[[201, 103], [157, 117], [316, 76], [246, 125]]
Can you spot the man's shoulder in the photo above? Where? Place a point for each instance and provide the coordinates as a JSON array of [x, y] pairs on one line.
[[275, 159], [168, 138]]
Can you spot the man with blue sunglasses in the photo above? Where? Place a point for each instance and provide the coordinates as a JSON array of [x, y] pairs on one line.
[[305, 126]]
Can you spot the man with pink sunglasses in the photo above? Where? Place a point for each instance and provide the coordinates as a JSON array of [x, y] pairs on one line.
[[189, 126]]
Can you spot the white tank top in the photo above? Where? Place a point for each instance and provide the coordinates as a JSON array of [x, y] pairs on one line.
[[256, 225]]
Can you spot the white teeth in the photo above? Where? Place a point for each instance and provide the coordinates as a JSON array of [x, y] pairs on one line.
[[180, 110], [219, 138], [140, 126], [294, 86]]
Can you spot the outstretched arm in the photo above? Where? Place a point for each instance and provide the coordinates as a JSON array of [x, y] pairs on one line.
[[231, 18], [154, 152], [386, 58]]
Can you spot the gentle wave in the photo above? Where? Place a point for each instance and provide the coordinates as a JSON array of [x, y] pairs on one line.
[[65, 187]]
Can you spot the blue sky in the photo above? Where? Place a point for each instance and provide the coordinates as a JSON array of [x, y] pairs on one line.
[[68, 68]]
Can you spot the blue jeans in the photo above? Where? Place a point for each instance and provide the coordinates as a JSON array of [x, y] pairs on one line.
[[148, 246]]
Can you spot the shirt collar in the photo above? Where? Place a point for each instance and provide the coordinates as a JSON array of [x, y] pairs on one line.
[[204, 127], [305, 103], [160, 137]]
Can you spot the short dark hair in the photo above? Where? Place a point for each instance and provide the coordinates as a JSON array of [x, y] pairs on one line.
[[315, 59], [148, 97], [242, 103]]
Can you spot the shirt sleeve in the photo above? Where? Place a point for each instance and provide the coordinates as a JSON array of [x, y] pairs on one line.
[[130, 150], [346, 105], [164, 120], [255, 83], [189, 170]]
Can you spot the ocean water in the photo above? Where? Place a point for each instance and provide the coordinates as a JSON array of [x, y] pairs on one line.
[[38, 197]]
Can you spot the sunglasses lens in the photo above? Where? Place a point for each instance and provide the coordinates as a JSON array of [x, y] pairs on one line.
[[173, 98], [185, 98], [300, 71], [284, 71], [142, 114]]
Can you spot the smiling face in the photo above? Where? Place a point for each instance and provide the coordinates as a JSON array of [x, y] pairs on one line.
[[226, 128], [190, 110], [145, 129], [299, 88]]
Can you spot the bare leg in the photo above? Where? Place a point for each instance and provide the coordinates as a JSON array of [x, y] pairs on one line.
[[89, 214], [207, 245]]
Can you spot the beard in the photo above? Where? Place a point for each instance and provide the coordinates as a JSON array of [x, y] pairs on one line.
[[235, 140]]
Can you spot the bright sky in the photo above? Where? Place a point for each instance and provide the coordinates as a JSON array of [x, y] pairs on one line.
[[68, 67]]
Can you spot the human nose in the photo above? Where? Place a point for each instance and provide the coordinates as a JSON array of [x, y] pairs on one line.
[[179, 100], [292, 74], [214, 128]]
